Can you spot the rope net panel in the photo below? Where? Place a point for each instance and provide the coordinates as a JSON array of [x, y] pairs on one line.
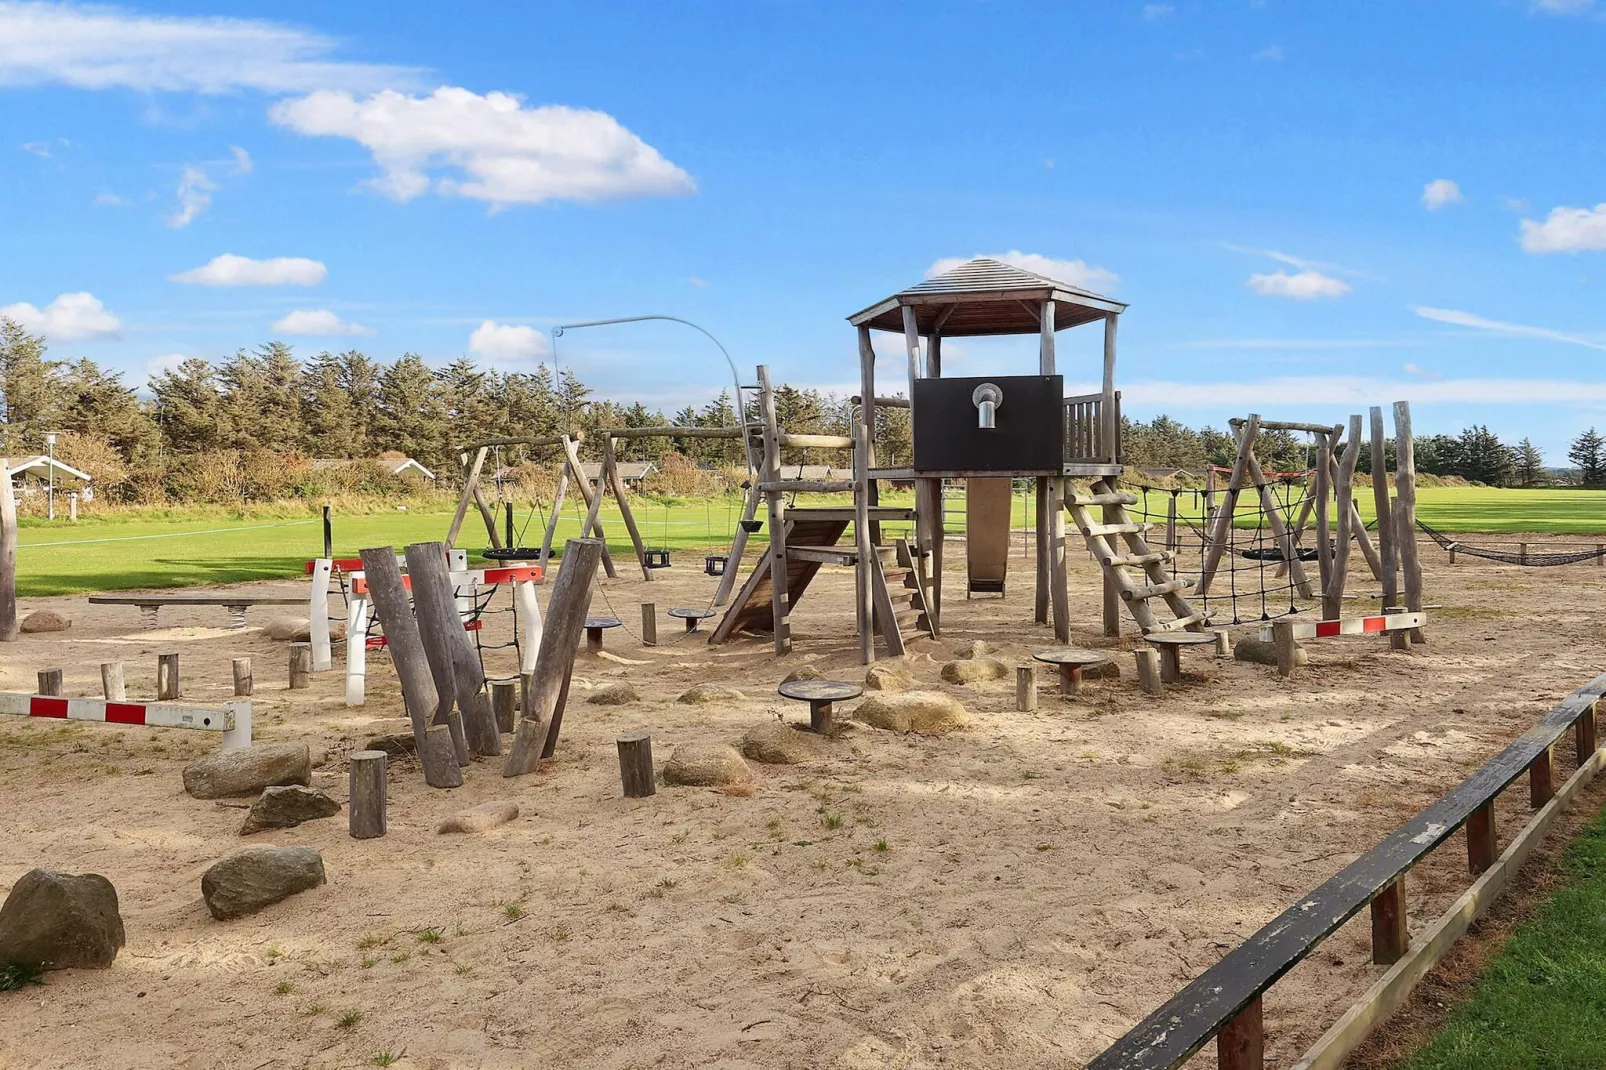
[[1508, 557]]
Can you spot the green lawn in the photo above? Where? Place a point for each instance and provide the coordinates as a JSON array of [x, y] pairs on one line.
[[211, 547], [1541, 1004]]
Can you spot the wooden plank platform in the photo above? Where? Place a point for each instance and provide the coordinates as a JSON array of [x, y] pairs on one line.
[[751, 610]]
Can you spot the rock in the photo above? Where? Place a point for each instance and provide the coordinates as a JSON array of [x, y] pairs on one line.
[[60, 921], [244, 881], [286, 807], [706, 766], [1253, 649], [248, 771], [285, 629], [395, 744], [887, 678], [703, 694], [479, 818], [913, 711], [1109, 670], [619, 694], [975, 671], [45, 620], [303, 634], [802, 672], [775, 743], [974, 649]]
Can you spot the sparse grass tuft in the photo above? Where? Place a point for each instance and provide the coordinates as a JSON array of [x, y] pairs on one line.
[[430, 936], [883, 846], [20, 975], [512, 911], [284, 988], [831, 821], [384, 1058], [349, 1019]]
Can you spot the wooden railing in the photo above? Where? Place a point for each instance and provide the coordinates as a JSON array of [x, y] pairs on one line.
[[1225, 1001], [1087, 432]]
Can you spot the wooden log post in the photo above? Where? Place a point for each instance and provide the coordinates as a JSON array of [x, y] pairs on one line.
[[1282, 637], [471, 481], [1170, 664], [610, 476], [1149, 672], [537, 732], [1481, 847], [649, 624], [1110, 606], [366, 802], [1541, 780], [1405, 480], [1241, 1043], [1585, 741], [450, 651], [8, 557], [406, 648], [1025, 687], [1324, 494], [635, 765], [300, 666], [167, 685], [49, 682], [571, 449], [439, 752], [1390, 937], [780, 597], [1040, 529], [504, 704], [1058, 590], [1344, 500], [111, 681], [1221, 523], [1223, 644], [242, 677]]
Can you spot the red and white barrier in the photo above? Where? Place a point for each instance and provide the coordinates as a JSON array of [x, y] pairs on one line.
[[1323, 629], [233, 720]]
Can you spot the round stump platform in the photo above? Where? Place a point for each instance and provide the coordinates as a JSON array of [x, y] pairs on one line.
[[595, 626], [1170, 645], [1071, 661], [819, 694], [691, 616]]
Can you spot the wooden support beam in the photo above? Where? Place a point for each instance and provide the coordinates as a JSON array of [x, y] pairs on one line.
[[1109, 410], [537, 733], [934, 351], [1387, 553], [1390, 937], [592, 522], [1109, 586], [470, 482], [488, 515], [1040, 603], [1059, 594], [1585, 741], [1241, 1044], [1481, 847], [1344, 502], [1541, 780], [1221, 523], [450, 647], [780, 597], [552, 521], [1045, 335], [612, 479], [863, 607], [911, 342], [1405, 488], [1324, 491]]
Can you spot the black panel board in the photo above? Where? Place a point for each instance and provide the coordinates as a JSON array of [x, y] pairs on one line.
[[1030, 432]]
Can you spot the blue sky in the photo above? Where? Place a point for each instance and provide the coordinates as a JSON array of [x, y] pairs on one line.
[[1309, 207]]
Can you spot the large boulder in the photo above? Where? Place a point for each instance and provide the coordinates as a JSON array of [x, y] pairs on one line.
[[251, 878], [887, 678], [776, 743], [248, 771], [59, 921], [479, 818], [1260, 652], [616, 694], [703, 765], [930, 712], [975, 648], [703, 694], [1104, 670], [285, 629], [802, 672], [45, 620], [285, 807], [303, 632], [393, 735], [975, 670]]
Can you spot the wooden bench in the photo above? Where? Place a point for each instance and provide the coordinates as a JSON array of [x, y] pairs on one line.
[[151, 604]]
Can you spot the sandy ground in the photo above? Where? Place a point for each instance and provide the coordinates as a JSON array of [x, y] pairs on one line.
[[1016, 895]]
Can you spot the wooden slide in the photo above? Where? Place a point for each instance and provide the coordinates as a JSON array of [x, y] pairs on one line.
[[987, 501]]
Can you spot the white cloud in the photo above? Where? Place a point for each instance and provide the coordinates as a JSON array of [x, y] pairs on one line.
[[242, 161], [109, 200], [318, 322], [1156, 12], [1295, 391], [498, 150], [231, 270], [1439, 193], [1078, 273], [1514, 330], [40, 149], [167, 362], [701, 284], [508, 341], [1303, 286], [194, 197], [1269, 54], [1566, 230], [100, 47], [69, 318], [1563, 7], [1420, 372]]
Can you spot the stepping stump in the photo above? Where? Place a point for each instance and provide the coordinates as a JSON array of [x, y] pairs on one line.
[[1071, 661], [691, 616], [819, 694], [1170, 645], [595, 626]]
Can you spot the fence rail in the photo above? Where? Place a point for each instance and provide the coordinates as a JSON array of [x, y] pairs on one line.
[[1224, 1002]]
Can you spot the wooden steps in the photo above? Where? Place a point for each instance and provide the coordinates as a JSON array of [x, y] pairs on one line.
[[751, 609], [1146, 588]]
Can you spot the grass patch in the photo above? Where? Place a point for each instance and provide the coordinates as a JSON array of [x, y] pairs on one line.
[[20, 975]]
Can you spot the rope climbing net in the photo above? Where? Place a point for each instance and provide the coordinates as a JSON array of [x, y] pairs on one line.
[[1522, 556]]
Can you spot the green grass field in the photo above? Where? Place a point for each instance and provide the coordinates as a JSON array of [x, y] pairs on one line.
[[124, 551]]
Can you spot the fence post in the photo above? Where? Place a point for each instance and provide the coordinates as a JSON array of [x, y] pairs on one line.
[[1241, 1044], [1541, 785], [1390, 938], [1481, 847]]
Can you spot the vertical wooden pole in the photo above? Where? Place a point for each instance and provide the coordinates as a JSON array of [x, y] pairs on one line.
[[470, 482], [610, 476], [593, 505], [1481, 848], [1241, 1044], [537, 732], [1110, 611], [1584, 735], [1541, 782], [1344, 497], [242, 677], [300, 666], [1040, 605], [1110, 409], [911, 344], [1171, 525], [557, 510], [822, 718], [111, 681], [635, 765], [1390, 937], [1025, 687], [1405, 460], [8, 555], [862, 612], [1148, 660], [780, 597], [1059, 596], [1282, 634], [649, 623], [453, 662], [167, 685], [1324, 530], [367, 794], [49, 682], [934, 355], [1221, 523]]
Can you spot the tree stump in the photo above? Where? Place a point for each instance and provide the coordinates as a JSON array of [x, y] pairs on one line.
[[649, 627], [49, 682], [242, 677], [111, 681], [439, 757], [368, 794], [504, 704], [1149, 672], [1025, 687], [635, 765], [167, 687], [300, 666]]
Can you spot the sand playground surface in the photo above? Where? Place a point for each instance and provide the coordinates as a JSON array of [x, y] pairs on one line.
[[1018, 894]]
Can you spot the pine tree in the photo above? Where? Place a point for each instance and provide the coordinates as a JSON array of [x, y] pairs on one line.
[[1484, 458], [26, 381], [1530, 464], [1588, 452], [189, 407], [412, 417], [97, 404]]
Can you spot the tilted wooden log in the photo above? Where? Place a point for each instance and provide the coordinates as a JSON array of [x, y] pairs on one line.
[[549, 683], [450, 651]]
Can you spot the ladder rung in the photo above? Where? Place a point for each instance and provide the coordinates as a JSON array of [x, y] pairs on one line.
[[1101, 499], [906, 618], [1094, 530], [1156, 590], [1158, 557], [1178, 624]]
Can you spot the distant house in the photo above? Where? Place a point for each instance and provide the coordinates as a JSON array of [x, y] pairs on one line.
[[38, 469], [814, 472], [631, 473], [395, 466]]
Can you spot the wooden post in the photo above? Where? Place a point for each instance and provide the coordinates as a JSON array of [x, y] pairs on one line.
[[780, 597], [49, 682], [1481, 847], [1025, 687], [504, 704], [167, 686], [8, 555], [406, 648], [439, 752], [649, 623], [1522, 553], [1282, 637], [610, 476], [727, 582], [862, 596], [1059, 596], [933, 530], [1452, 554], [111, 681], [1109, 408], [365, 804], [1221, 523], [1390, 937], [1241, 1043], [1584, 735], [242, 677], [593, 507], [1171, 664], [1405, 481], [557, 511], [1110, 611], [470, 482], [1040, 606], [1149, 680], [488, 515], [1223, 644], [300, 666], [1541, 784], [1343, 489], [635, 765], [1171, 524], [1324, 529], [537, 731], [822, 718], [453, 662], [1070, 679], [1387, 551]]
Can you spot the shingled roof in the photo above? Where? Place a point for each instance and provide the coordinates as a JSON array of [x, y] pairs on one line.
[[987, 296]]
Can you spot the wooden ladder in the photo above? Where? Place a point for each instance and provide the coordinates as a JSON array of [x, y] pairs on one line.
[[1137, 570], [901, 616]]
